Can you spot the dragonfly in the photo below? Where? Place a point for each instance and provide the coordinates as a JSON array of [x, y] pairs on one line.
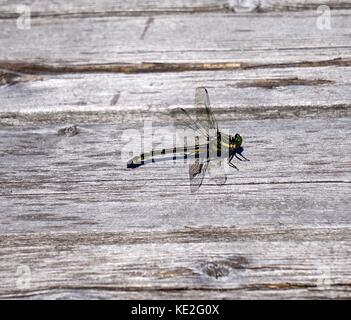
[[211, 147]]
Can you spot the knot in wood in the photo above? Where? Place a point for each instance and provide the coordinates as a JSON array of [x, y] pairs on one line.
[[69, 131], [216, 270]]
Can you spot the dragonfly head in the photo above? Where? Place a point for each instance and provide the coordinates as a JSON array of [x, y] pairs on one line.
[[238, 140]]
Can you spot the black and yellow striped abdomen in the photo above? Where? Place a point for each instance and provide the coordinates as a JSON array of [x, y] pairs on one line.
[[217, 148]]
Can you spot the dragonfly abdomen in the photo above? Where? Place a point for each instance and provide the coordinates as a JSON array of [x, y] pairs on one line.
[[168, 154]]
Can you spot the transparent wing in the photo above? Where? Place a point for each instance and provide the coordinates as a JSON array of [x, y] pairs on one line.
[[203, 127], [216, 172], [197, 172], [186, 121], [203, 113], [200, 119]]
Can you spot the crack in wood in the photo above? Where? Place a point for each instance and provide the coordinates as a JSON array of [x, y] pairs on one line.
[[115, 99], [283, 82], [148, 23], [11, 78], [61, 182], [120, 13], [149, 67], [279, 286], [81, 11], [184, 235]]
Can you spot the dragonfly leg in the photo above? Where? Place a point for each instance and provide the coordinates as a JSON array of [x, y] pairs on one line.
[[238, 158], [246, 159], [233, 165]]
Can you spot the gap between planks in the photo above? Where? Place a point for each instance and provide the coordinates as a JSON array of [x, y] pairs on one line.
[[184, 235], [88, 9], [147, 67]]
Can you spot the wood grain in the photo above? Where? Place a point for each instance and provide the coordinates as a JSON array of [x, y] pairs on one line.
[[286, 37], [86, 98], [235, 269], [278, 228]]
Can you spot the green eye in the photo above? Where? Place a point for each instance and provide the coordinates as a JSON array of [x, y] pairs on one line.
[[238, 140]]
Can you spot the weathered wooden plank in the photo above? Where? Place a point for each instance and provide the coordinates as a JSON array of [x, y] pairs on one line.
[[70, 267], [75, 222], [299, 174], [111, 8], [84, 8], [269, 38], [243, 94]]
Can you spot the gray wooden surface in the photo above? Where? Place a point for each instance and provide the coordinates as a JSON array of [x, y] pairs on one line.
[[76, 223]]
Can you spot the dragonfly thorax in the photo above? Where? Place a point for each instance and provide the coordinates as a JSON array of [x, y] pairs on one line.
[[238, 140], [235, 141], [235, 144]]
